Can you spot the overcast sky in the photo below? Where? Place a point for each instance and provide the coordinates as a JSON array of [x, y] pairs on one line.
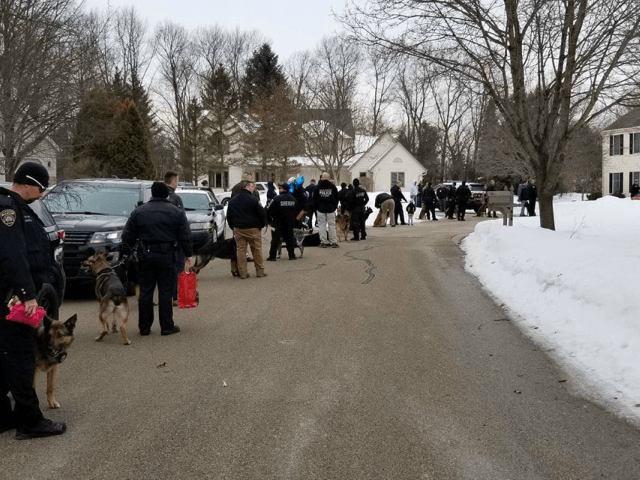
[[289, 25]]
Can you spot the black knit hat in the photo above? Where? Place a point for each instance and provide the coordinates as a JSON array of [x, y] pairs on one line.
[[284, 186], [159, 190], [356, 182], [31, 173]]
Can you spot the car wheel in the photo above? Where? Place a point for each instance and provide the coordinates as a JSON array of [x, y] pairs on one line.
[[225, 201], [48, 299]]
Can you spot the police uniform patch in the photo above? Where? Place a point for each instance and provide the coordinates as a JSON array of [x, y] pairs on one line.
[[8, 217]]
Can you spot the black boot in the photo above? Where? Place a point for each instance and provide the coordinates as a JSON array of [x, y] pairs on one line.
[[44, 428]]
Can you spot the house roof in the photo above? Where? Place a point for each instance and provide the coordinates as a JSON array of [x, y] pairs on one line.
[[339, 119], [381, 157], [628, 120]]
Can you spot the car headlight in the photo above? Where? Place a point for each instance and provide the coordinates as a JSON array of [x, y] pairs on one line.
[[107, 237], [202, 226]]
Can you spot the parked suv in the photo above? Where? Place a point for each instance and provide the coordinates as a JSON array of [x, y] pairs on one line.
[[93, 212], [51, 294], [205, 214]]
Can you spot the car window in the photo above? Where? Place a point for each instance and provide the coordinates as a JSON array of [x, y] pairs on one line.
[[260, 187], [195, 201], [93, 199]]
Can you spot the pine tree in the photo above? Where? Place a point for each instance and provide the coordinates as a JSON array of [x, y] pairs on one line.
[[262, 75], [128, 145]]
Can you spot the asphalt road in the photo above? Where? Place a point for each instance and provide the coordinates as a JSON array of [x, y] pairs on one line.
[[381, 359]]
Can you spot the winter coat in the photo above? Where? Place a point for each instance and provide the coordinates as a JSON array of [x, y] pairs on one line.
[[381, 198], [414, 189], [397, 194], [282, 211], [429, 196], [245, 211], [358, 198], [463, 194], [325, 197]]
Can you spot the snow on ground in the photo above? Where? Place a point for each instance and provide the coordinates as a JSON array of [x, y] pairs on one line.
[[572, 291]]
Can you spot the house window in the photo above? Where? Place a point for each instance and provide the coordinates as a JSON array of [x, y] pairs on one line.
[[397, 177], [363, 174], [634, 179], [634, 143], [616, 145], [615, 182]]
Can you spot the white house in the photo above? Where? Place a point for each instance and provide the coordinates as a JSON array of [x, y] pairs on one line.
[[385, 163], [44, 154], [621, 154]]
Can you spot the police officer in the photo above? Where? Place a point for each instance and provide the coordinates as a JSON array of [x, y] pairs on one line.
[[358, 200], [171, 179], [463, 194], [161, 228], [24, 259], [281, 214]]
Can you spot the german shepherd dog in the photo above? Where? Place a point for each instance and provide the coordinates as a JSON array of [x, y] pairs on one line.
[[225, 249], [52, 339], [298, 233], [343, 222], [111, 294]]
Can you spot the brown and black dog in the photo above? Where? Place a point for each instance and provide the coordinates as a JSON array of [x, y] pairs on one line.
[[52, 339], [111, 295], [225, 249], [343, 222]]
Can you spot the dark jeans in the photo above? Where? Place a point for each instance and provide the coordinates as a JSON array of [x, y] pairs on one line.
[[277, 236], [462, 208], [398, 212], [357, 223], [17, 368], [179, 268], [156, 269]]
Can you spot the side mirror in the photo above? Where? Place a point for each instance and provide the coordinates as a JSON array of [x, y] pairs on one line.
[[218, 207]]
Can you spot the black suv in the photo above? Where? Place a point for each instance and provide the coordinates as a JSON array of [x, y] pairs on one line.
[[93, 212], [52, 291]]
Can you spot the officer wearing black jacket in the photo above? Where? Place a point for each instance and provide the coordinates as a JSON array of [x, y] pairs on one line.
[[160, 228], [358, 200], [171, 179], [281, 215], [463, 194], [25, 258]]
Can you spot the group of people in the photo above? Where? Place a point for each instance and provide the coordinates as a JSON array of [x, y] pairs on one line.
[[293, 206]]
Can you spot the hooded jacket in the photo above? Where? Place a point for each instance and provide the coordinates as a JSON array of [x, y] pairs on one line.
[[325, 197]]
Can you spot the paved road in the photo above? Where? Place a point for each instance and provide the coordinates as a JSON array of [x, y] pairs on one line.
[[381, 359]]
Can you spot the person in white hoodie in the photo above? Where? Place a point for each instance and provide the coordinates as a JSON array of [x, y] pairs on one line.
[[414, 192]]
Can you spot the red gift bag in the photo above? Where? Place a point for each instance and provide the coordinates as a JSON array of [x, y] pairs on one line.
[[188, 290]]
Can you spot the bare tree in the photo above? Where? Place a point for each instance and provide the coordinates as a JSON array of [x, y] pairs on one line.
[[413, 95], [380, 69], [328, 130], [452, 107], [299, 69], [40, 55], [176, 60], [550, 67], [130, 38]]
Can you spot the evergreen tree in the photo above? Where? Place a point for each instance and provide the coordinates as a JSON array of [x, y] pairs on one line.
[[220, 101], [128, 145], [262, 75]]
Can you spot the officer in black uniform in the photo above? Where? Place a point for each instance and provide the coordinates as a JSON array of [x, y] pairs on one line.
[[281, 214], [171, 179], [358, 200], [161, 228], [25, 259]]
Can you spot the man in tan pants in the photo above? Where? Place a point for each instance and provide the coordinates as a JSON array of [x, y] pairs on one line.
[[386, 204], [247, 218]]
